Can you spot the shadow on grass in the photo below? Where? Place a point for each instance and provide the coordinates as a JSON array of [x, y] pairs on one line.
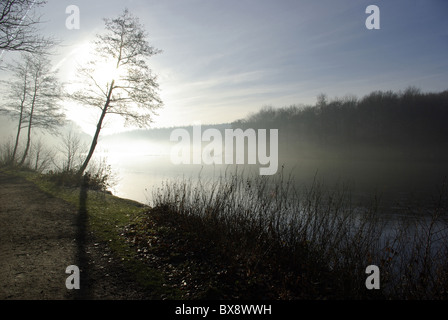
[[84, 291]]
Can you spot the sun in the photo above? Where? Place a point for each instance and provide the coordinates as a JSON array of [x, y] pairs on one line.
[[107, 70], [104, 70]]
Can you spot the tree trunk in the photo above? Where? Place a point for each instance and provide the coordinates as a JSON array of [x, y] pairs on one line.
[[97, 132], [28, 141], [30, 122], [13, 157], [93, 145], [22, 106]]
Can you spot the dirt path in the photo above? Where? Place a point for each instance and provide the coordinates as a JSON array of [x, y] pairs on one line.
[[40, 236]]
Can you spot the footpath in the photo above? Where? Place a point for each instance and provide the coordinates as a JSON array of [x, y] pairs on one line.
[[40, 236]]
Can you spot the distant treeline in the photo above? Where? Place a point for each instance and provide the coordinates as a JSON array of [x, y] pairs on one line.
[[159, 134], [407, 123]]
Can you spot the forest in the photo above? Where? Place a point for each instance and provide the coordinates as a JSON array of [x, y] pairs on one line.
[[385, 143], [405, 125]]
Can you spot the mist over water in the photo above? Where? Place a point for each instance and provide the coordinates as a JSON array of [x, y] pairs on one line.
[[144, 165]]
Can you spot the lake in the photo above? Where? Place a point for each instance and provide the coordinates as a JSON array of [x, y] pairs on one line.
[[406, 192], [396, 184]]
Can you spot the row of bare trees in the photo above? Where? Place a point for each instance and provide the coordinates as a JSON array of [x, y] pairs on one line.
[[34, 97]]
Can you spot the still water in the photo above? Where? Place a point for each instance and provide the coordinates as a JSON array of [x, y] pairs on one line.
[[405, 194], [401, 189], [137, 174]]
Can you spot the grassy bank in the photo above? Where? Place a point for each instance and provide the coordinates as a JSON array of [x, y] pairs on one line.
[[107, 217]]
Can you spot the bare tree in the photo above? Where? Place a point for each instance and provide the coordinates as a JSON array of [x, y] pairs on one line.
[[34, 94], [19, 27], [45, 92], [131, 90], [71, 148], [42, 156], [16, 98]]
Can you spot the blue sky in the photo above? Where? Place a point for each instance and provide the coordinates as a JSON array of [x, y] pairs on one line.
[[224, 59]]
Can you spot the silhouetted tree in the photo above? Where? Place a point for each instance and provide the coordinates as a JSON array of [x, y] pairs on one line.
[[131, 91], [18, 88], [18, 27], [33, 98], [71, 147]]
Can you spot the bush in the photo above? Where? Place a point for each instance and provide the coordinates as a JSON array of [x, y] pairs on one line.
[[99, 177], [6, 152], [286, 244], [39, 159]]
